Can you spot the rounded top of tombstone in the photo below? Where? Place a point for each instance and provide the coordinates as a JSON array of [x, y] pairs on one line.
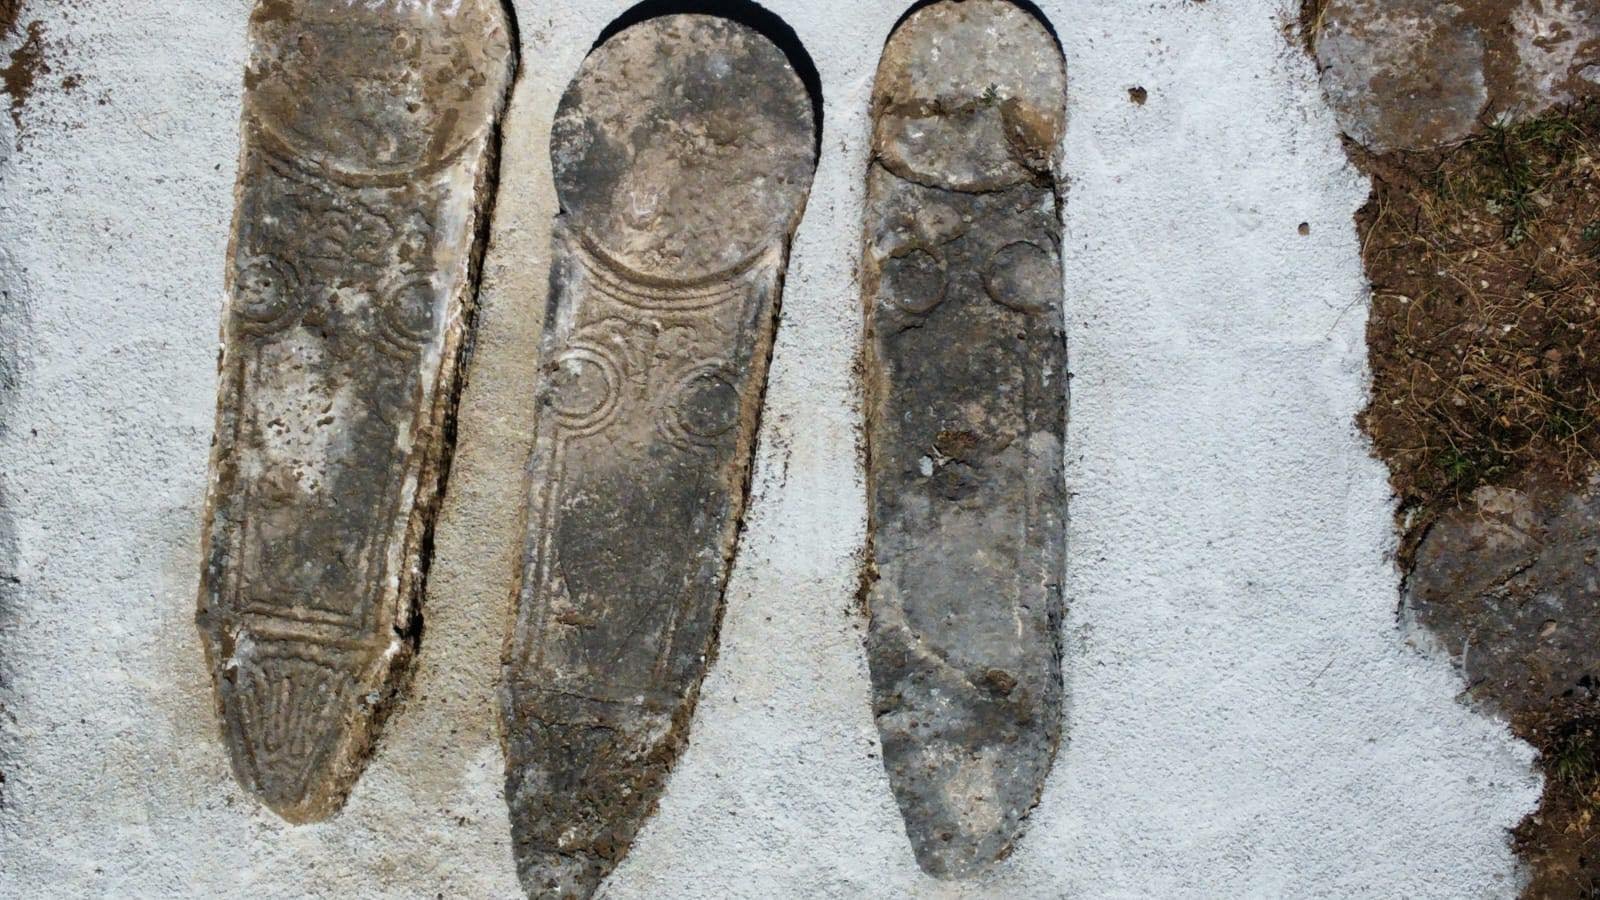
[[377, 88], [970, 95], [685, 146]]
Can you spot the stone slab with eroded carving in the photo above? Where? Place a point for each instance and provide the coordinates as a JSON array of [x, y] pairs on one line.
[[683, 155], [368, 145], [966, 414]]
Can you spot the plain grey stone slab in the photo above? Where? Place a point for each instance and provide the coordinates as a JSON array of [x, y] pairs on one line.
[[1402, 74], [1509, 582], [966, 415], [1419, 74]]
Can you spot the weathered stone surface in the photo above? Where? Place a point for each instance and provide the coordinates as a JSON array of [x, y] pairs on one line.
[[1510, 584], [367, 155], [1402, 74], [966, 413], [1557, 44], [1419, 74], [683, 154]]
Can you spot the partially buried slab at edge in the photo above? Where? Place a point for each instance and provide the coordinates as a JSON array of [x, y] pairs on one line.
[[1424, 74], [683, 154], [364, 179], [966, 414]]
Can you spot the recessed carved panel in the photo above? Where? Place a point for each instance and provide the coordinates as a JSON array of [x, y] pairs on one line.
[[966, 413], [683, 154], [367, 152]]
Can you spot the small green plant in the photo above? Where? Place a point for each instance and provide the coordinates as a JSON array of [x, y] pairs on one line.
[[1459, 468], [1565, 421], [1515, 161], [1574, 759]]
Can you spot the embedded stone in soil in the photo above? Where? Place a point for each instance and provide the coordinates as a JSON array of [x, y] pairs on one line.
[[1419, 74]]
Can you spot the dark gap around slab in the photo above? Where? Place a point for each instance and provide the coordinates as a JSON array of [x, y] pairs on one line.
[[413, 635], [1026, 6]]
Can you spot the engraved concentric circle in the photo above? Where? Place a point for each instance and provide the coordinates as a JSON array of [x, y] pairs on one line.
[[705, 405], [267, 293], [585, 387], [408, 309]]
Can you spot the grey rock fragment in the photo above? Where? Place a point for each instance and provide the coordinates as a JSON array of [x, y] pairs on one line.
[[683, 154], [1402, 74], [1509, 583], [366, 165], [966, 415], [1419, 75], [1557, 45]]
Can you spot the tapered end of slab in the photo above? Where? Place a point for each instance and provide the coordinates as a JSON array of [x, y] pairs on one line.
[[967, 754], [583, 777], [970, 96], [298, 731]]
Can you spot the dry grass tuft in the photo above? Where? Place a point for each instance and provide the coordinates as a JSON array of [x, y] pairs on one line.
[[1312, 15], [1485, 328]]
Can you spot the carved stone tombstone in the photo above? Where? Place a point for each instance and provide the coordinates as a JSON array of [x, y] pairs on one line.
[[368, 143], [683, 155], [966, 414]]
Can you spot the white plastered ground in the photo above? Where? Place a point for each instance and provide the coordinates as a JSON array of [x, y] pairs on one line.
[[1246, 716]]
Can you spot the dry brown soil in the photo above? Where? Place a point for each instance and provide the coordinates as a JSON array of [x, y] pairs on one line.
[[1485, 331], [1484, 343]]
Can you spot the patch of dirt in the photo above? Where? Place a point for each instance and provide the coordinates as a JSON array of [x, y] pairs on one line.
[[10, 11], [1484, 344], [1485, 330], [27, 64], [1561, 842]]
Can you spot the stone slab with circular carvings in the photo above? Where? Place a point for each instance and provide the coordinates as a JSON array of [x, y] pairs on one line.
[[368, 144], [683, 154]]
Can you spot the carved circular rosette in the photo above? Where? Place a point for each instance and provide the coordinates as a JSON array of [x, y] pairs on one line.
[[407, 311], [338, 235], [585, 389], [702, 406], [268, 295], [1025, 277], [914, 279]]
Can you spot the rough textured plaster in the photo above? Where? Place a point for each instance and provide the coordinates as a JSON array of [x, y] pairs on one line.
[[1245, 717]]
